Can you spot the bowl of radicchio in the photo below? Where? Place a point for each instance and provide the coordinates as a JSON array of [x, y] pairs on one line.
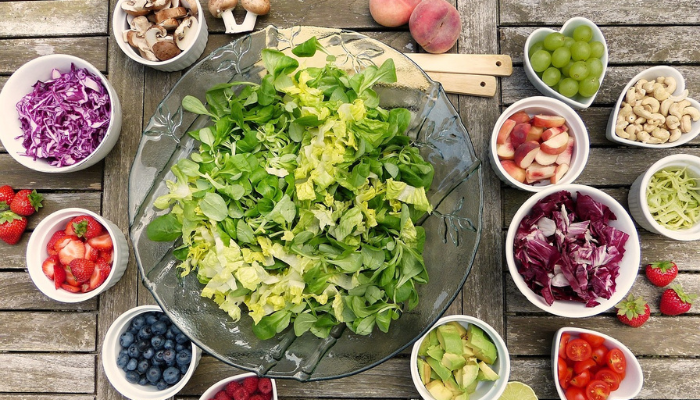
[[60, 114], [573, 251]]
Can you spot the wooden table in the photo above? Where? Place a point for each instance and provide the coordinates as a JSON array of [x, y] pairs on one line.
[[50, 350]]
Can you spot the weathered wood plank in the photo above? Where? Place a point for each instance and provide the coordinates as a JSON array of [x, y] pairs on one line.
[[48, 373], [16, 175], [17, 292], [16, 52], [663, 12], [45, 397], [53, 18], [48, 332], [58, 201]]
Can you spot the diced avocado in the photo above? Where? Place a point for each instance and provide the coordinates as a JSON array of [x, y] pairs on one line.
[[463, 396], [450, 339], [471, 388], [432, 338], [453, 361], [453, 387], [439, 369], [486, 373], [435, 352], [438, 390], [423, 349], [483, 347], [467, 351], [462, 330], [424, 371], [467, 374]]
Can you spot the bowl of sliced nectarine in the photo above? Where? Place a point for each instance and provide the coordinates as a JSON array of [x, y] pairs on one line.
[[538, 142]]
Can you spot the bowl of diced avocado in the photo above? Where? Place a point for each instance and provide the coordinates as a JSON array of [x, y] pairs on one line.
[[460, 358]]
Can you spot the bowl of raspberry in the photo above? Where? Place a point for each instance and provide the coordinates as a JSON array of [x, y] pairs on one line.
[[245, 386]]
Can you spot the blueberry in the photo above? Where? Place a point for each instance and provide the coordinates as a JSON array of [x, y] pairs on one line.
[[143, 381], [157, 363], [169, 344], [181, 338], [171, 375], [184, 357], [175, 329], [151, 319], [161, 385], [143, 366], [142, 345], [122, 360], [133, 351], [169, 334], [179, 347], [126, 339], [159, 328], [169, 356], [132, 364], [146, 332], [132, 376], [163, 317], [184, 368], [153, 374], [138, 322], [158, 356], [148, 353], [157, 342]]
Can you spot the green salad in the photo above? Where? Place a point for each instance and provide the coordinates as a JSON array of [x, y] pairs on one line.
[[300, 206]]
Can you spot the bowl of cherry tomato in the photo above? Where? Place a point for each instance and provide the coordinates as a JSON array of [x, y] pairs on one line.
[[589, 365]]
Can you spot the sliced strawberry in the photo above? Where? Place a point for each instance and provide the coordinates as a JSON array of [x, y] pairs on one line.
[[59, 276], [51, 246], [108, 256], [49, 266], [100, 275], [70, 279], [91, 253], [102, 242], [84, 226], [82, 269], [72, 289], [72, 250], [63, 241]]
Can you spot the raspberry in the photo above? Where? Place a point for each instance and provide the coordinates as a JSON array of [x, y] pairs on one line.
[[241, 393], [257, 397], [231, 387], [265, 385], [222, 396], [251, 384], [267, 396]]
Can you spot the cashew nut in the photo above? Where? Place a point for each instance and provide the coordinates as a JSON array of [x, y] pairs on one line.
[[631, 131], [693, 112], [661, 134], [657, 119], [653, 140], [631, 96], [675, 135], [685, 124], [675, 110], [649, 86], [620, 129], [665, 105], [638, 85], [643, 136], [660, 93], [672, 122], [670, 84], [649, 127], [653, 103], [640, 111]]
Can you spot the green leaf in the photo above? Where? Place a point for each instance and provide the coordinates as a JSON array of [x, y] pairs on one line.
[[244, 232], [272, 324], [277, 63], [165, 228], [214, 206], [303, 322], [310, 120], [308, 48], [194, 105]]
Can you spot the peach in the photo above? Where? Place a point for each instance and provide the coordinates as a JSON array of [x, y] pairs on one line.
[[520, 116], [565, 156], [543, 158], [504, 132], [559, 172], [519, 134], [536, 172], [435, 25], [548, 121], [535, 133], [557, 144], [392, 13], [505, 151], [551, 132], [525, 154], [513, 170]]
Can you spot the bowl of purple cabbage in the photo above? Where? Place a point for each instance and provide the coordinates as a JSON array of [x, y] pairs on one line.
[[60, 114], [573, 250]]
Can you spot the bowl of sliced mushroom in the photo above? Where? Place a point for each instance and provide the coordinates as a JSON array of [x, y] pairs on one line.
[[168, 35], [655, 111]]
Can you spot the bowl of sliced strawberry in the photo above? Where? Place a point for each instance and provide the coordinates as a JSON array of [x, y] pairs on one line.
[[75, 254]]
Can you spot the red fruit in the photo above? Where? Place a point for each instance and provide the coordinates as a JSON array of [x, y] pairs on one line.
[[231, 387], [70, 250], [520, 116], [82, 269], [102, 242], [633, 312], [12, 227], [267, 396], [222, 396], [84, 226], [675, 301], [59, 275], [257, 396], [107, 256], [99, 275], [241, 393], [251, 384], [72, 289], [51, 246], [6, 195], [265, 385], [26, 202], [91, 253], [49, 267], [548, 121], [662, 273], [70, 279]]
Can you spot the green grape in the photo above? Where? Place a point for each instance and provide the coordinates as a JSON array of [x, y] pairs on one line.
[[553, 41], [580, 51], [534, 48], [551, 76], [595, 67], [568, 41], [568, 87], [565, 69], [578, 70], [583, 33], [540, 60], [597, 49], [561, 57], [589, 86]]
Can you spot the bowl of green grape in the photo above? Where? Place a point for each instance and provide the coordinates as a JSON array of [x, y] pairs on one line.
[[569, 64]]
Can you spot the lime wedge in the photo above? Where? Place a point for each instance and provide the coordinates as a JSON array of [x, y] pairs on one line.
[[518, 391]]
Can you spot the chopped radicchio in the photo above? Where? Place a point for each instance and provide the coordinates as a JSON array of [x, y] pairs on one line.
[[64, 119], [567, 251]]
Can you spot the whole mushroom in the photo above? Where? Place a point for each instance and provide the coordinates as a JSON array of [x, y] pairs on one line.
[[224, 9]]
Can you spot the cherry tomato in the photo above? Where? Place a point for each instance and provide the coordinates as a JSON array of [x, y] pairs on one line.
[[578, 350], [561, 367], [562, 344], [574, 393], [593, 340], [597, 390], [608, 376], [599, 354], [582, 379], [564, 373], [616, 361], [581, 366]]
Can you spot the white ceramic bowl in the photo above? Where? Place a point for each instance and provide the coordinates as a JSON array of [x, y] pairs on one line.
[[177, 63], [486, 390], [636, 198], [21, 83], [651, 74], [634, 378], [36, 254], [220, 385], [117, 377], [578, 101], [629, 265], [549, 106]]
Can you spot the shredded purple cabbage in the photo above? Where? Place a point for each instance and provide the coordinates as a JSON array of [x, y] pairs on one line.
[[65, 118], [567, 251]]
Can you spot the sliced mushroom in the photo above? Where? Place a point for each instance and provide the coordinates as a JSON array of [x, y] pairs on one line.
[[135, 7], [186, 33], [177, 12], [140, 24], [170, 24], [155, 34], [156, 5], [191, 5], [146, 52], [165, 50]]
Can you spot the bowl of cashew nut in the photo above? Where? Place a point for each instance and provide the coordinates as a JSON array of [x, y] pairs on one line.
[[654, 111]]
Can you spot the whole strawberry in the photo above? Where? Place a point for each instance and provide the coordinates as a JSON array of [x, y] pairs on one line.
[[633, 311], [675, 301], [26, 202], [6, 195], [11, 227], [662, 273], [82, 269]]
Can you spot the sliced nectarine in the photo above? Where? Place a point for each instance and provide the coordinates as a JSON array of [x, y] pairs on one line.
[[513, 170], [525, 153], [535, 133], [548, 121], [543, 158], [520, 117], [536, 172], [505, 131], [559, 172], [505, 151], [565, 156], [557, 144], [519, 134], [551, 132]]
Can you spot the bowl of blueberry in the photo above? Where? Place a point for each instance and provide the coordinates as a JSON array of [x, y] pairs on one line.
[[146, 357]]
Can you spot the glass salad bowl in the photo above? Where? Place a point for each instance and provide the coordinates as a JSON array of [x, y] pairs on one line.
[[452, 230]]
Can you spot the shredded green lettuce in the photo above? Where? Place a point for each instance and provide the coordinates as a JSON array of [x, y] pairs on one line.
[[673, 197], [299, 208]]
